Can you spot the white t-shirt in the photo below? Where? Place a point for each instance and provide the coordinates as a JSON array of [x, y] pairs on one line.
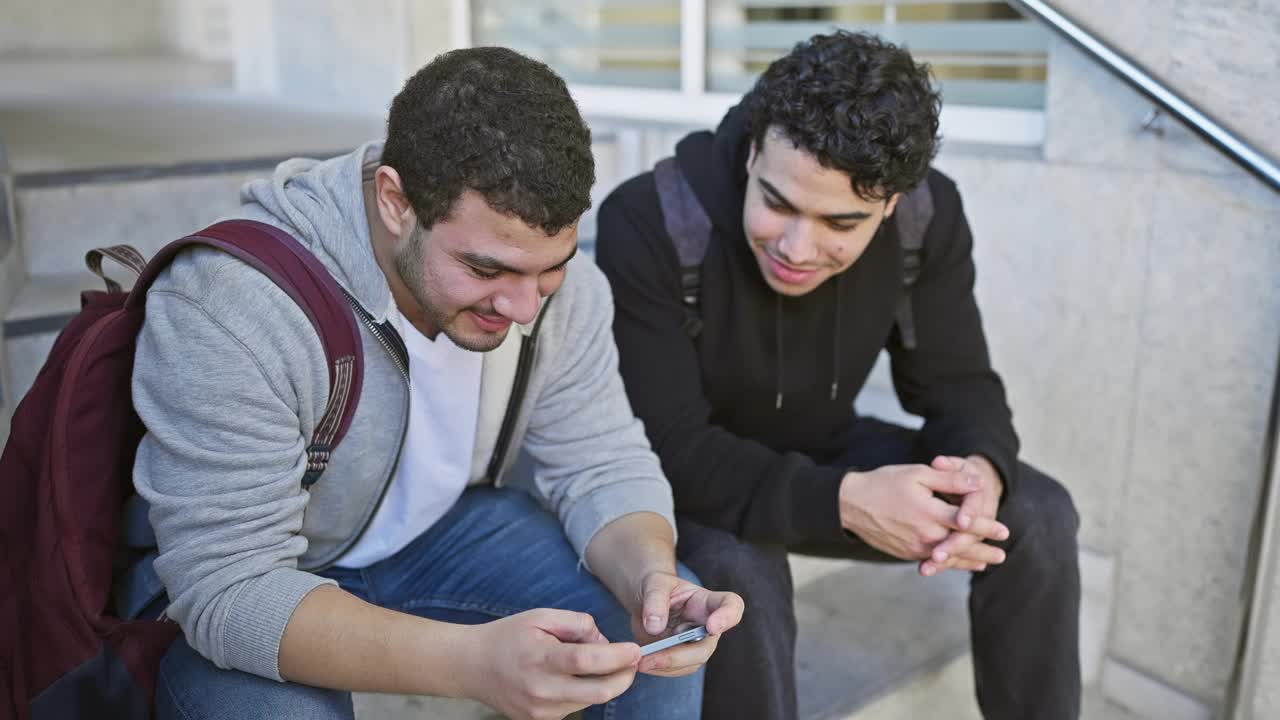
[[435, 462]]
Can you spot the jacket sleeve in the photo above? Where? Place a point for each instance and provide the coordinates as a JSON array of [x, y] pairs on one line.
[[220, 466], [592, 463], [718, 478], [947, 379]]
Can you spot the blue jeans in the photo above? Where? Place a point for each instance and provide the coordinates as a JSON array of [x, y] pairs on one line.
[[494, 554]]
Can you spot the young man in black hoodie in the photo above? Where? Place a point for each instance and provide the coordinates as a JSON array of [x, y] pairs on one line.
[[744, 374]]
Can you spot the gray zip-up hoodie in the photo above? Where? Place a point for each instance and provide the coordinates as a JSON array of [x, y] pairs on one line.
[[230, 380]]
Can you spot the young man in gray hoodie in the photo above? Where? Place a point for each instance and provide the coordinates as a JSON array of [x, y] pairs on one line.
[[410, 567]]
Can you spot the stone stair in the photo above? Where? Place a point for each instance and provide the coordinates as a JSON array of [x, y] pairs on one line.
[[80, 173]]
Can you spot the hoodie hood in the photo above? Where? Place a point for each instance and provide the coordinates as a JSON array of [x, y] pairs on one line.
[[715, 164], [321, 203]]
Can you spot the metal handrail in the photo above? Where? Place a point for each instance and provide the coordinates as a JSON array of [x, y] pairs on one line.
[[1264, 534], [1260, 569], [1230, 144]]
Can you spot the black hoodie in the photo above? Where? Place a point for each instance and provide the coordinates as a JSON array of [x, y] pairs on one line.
[[736, 458]]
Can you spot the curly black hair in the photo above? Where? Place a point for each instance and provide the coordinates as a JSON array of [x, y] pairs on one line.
[[491, 120], [858, 104]]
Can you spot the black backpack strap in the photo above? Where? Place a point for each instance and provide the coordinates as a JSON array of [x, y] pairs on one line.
[[690, 229], [912, 218], [300, 275]]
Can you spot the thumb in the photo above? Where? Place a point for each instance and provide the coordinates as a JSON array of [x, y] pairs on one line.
[[655, 601], [568, 626], [947, 463], [949, 481]]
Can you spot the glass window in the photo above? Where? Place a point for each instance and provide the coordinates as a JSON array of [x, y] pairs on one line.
[[630, 43], [983, 53]]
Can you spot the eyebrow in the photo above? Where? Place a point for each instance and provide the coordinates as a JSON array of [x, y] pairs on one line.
[[779, 197], [489, 262]]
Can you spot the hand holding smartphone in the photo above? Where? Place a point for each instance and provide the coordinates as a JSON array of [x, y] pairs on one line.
[[693, 635]]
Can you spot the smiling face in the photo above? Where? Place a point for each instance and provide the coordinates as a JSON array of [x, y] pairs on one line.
[[803, 222], [473, 273]]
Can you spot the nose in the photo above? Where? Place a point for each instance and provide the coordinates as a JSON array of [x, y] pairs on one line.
[[519, 301], [797, 245]]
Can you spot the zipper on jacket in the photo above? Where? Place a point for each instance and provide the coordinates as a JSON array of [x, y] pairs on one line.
[[393, 344], [395, 347], [382, 495]]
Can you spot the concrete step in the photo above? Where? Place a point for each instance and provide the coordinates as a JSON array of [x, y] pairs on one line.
[[138, 164], [948, 693], [61, 217], [866, 629], [85, 133], [26, 78], [31, 324], [96, 169]]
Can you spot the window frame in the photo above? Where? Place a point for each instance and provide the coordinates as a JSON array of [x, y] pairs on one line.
[[693, 105]]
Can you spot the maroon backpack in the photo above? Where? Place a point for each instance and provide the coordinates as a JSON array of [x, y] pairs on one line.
[[67, 648]]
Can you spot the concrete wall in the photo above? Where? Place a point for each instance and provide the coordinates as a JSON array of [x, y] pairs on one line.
[[1157, 266], [1224, 54], [324, 54], [429, 30], [1132, 299], [79, 27]]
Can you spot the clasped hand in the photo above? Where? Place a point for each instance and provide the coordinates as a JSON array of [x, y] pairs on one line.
[[941, 514]]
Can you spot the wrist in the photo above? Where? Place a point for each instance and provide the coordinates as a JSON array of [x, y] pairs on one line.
[[454, 659], [850, 496], [628, 550]]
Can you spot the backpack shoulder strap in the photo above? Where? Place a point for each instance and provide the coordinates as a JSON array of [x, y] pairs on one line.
[[690, 229], [912, 218], [300, 275]]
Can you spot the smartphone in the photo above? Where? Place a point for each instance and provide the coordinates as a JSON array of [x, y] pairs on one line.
[[693, 635]]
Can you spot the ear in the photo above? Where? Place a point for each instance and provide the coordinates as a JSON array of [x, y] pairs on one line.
[[891, 205], [393, 205]]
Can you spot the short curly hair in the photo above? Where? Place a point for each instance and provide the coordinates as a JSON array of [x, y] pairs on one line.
[[858, 104], [491, 120]]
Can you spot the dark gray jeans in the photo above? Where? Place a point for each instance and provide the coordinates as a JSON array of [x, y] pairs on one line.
[[1024, 613]]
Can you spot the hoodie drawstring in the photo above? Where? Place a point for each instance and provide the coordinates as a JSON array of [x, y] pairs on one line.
[[835, 346], [777, 331]]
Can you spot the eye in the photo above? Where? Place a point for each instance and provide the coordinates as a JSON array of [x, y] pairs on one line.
[[484, 274], [775, 205], [842, 228]]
